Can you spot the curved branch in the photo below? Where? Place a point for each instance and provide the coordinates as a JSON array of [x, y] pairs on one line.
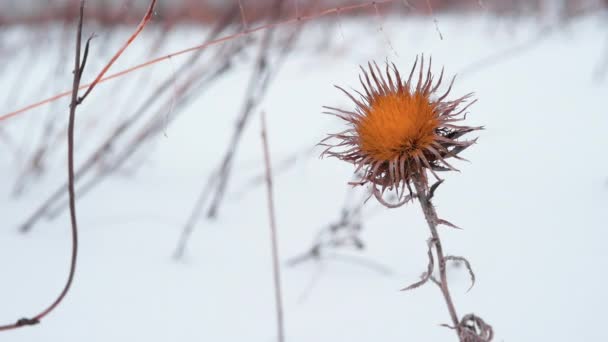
[[426, 276], [378, 196], [466, 263]]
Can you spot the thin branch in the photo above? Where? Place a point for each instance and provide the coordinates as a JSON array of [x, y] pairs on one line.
[[186, 91], [295, 20], [138, 30], [258, 84], [94, 157], [273, 234], [78, 70], [429, 272], [428, 3]]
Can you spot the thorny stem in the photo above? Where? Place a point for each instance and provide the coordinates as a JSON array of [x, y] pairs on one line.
[[431, 218]]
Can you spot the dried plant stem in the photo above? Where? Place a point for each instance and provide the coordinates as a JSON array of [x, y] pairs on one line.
[[423, 195], [261, 78], [295, 20], [188, 229], [79, 65], [94, 157], [273, 235], [140, 27], [256, 88]]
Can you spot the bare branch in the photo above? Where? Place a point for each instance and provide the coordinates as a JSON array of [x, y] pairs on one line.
[[78, 65], [292, 21], [273, 234], [138, 30]]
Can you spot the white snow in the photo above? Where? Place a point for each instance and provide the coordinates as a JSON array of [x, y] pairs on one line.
[[533, 202]]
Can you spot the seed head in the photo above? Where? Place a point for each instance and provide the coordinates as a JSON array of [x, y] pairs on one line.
[[400, 128]]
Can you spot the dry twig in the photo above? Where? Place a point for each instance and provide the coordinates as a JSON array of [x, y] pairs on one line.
[[79, 65], [431, 219], [273, 234], [49, 207], [290, 21]]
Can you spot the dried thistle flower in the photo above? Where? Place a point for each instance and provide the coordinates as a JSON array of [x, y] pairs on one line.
[[399, 129]]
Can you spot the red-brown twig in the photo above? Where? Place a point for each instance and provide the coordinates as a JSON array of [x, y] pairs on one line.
[[210, 73], [273, 234], [79, 66], [88, 164], [138, 30], [80, 63], [295, 20]]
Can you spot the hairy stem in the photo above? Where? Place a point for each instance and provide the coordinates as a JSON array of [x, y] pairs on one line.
[[430, 215]]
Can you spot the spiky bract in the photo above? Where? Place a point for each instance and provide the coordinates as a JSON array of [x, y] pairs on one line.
[[400, 128]]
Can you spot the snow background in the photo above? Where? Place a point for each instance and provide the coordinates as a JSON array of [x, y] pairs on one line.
[[533, 202]]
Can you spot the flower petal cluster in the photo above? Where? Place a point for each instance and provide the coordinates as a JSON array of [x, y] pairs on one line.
[[400, 128]]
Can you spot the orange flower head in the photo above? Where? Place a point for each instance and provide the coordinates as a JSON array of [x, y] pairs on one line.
[[399, 129]]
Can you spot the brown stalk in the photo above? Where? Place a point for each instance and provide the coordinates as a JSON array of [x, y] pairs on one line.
[[431, 217], [470, 328], [273, 235], [138, 30], [79, 66]]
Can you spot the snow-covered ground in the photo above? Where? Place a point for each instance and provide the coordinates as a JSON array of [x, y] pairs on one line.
[[533, 204]]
